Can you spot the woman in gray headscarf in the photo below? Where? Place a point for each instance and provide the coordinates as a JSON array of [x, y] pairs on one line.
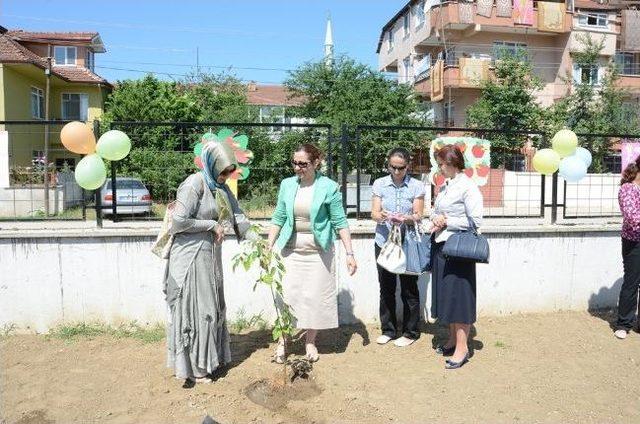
[[197, 335]]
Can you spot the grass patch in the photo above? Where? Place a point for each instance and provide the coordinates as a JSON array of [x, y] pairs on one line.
[[500, 344], [131, 330], [242, 322]]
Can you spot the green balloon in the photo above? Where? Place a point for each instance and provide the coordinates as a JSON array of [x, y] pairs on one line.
[[197, 149], [245, 173], [90, 172], [113, 145]]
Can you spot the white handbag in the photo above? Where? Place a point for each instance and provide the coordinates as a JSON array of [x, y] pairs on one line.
[[392, 257]]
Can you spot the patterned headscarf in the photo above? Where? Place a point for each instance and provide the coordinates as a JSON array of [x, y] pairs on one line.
[[216, 157]]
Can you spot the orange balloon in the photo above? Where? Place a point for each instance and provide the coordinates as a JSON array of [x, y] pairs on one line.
[[77, 137]]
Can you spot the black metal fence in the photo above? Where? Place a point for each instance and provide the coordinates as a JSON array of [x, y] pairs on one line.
[[163, 156], [36, 173], [141, 185]]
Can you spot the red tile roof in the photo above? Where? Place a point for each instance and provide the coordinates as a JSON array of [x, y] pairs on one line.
[[21, 35], [271, 95], [11, 51], [78, 74]]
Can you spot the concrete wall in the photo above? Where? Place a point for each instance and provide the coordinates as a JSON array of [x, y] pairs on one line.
[[111, 276], [24, 202]]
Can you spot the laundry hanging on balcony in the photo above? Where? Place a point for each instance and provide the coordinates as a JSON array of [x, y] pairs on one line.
[[551, 16], [485, 7], [465, 12], [437, 81], [473, 71], [630, 37], [523, 12], [503, 8]]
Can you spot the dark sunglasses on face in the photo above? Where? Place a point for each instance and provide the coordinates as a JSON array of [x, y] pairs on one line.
[[301, 165], [397, 168]]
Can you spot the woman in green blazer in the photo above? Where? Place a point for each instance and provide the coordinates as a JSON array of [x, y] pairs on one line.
[[307, 217]]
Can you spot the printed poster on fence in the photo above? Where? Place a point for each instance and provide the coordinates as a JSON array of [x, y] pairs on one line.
[[477, 160], [628, 153]]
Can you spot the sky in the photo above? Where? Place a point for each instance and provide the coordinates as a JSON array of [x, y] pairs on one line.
[[252, 39]]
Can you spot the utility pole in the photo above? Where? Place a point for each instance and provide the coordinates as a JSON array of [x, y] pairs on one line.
[[198, 60], [47, 73]]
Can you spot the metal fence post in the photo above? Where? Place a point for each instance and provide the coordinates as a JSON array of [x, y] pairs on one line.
[[344, 141], [329, 153], [554, 198], [96, 193], [358, 166]]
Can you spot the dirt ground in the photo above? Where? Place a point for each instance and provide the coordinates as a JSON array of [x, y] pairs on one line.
[[551, 368]]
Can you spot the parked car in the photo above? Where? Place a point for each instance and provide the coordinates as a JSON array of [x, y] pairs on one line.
[[132, 197]]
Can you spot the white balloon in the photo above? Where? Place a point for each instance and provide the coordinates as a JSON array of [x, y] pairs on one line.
[[572, 169], [584, 155]]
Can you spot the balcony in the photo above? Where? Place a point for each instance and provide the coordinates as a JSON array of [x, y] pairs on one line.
[[448, 16]]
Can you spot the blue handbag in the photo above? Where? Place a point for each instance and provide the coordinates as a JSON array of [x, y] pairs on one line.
[[417, 250], [469, 246]]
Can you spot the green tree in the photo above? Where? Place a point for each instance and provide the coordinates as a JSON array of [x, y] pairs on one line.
[[508, 102], [352, 93], [595, 105], [161, 155]]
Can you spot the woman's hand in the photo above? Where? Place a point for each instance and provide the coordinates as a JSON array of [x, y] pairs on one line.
[[352, 266], [219, 234], [439, 221]]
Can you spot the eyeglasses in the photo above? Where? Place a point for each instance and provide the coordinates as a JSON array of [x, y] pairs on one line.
[[397, 168], [301, 165]]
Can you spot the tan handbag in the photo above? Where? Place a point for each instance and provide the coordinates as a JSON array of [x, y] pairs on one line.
[[162, 246]]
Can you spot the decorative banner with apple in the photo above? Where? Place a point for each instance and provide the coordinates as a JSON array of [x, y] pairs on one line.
[[476, 154]]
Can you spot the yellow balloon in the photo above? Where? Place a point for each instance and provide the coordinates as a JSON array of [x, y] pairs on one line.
[[546, 161], [564, 143]]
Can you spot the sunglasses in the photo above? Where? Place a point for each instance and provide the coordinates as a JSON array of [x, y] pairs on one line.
[[301, 165], [397, 168]]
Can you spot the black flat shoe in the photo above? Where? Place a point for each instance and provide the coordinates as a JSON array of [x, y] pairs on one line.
[[450, 365], [444, 351]]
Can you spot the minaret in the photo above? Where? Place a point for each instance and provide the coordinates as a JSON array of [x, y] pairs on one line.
[[328, 44]]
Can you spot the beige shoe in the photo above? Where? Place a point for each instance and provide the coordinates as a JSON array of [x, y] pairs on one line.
[[403, 341], [312, 352], [383, 339], [621, 334]]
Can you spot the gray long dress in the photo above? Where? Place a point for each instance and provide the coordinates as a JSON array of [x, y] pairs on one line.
[[197, 335]]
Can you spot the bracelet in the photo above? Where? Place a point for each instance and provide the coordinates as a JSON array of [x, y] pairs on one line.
[[350, 254]]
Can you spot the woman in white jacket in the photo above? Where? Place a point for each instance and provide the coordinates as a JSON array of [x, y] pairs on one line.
[[457, 207]]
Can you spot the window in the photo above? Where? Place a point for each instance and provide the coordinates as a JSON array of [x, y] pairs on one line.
[[624, 64], [591, 75], [37, 103], [418, 13], [89, 61], [273, 114], [75, 106], [423, 66], [65, 55], [390, 39], [592, 19], [405, 25], [613, 164], [503, 49]]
